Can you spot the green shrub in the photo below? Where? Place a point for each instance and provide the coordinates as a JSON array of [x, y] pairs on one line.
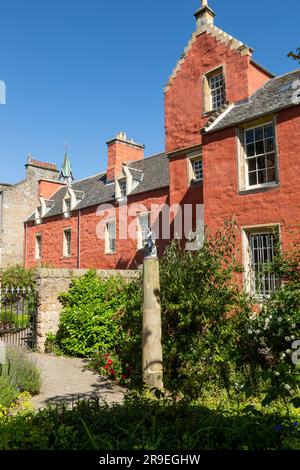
[[203, 307], [90, 319], [141, 423], [24, 375], [18, 276], [8, 393]]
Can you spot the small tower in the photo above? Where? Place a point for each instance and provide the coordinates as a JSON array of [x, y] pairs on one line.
[[66, 172], [205, 15]]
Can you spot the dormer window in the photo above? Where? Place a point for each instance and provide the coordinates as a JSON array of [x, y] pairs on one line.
[[38, 215], [123, 187], [67, 207]]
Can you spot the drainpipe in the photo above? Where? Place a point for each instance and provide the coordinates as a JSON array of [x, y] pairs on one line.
[[25, 245], [78, 239]]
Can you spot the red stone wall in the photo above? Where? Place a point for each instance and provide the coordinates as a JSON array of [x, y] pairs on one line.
[[184, 100], [280, 205], [48, 188], [92, 253]]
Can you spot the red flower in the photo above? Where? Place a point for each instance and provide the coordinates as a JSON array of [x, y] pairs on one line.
[[106, 356], [123, 377], [112, 372], [106, 367], [109, 362]]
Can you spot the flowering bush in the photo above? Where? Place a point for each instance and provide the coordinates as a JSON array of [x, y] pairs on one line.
[[110, 365], [271, 337]]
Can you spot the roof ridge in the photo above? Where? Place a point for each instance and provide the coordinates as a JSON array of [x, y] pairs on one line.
[[89, 177]]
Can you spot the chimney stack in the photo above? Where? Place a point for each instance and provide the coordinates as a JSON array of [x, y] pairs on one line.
[[122, 150], [205, 15]]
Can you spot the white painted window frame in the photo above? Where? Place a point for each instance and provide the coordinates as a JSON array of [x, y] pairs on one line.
[[140, 244], [247, 231], [38, 247], [107, 248], [67, 244]]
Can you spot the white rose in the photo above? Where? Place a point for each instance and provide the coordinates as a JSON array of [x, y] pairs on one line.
[[250, 332], [288, 351], [277, 374], [293, 326], [287, 387], [279, 319], [287, 338], [293, 337]]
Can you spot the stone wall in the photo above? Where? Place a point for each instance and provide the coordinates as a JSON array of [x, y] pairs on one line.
[[17, 203], [52, 282]]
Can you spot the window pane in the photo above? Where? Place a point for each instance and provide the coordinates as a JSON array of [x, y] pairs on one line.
[[269, 131], [259, 133], [250, 150], [253, 179], [262, 177], [249, 136], [270, 145], [252, 164], [271, 175], [270, 159], [261, 162], [259, 148]]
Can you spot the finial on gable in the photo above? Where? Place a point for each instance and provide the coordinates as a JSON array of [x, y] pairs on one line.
[[205, 15]]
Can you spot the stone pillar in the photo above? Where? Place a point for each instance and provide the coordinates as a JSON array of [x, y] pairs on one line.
[[152, 347]]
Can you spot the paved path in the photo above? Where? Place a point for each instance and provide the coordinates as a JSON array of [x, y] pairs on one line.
[[67, 379]]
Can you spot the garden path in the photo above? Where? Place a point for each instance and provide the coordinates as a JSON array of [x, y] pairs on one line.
[[67, 379]]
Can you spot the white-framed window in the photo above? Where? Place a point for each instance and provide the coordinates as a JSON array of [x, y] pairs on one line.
[[67, 207], [197, 166], [67, 246], [38, 246], [260, 155], [262, 244], [217, 90], [110, 237], [123, 187], [143, 229]]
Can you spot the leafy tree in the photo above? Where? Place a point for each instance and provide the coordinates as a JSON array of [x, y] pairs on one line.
[[295, 55]]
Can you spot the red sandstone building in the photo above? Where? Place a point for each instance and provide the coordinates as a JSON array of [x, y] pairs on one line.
[[232, 134]]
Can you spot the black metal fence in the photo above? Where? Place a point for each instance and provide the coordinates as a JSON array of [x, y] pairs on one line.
[[18, 312]]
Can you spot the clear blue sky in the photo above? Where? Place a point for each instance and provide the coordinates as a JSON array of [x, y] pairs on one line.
[[81, 70]]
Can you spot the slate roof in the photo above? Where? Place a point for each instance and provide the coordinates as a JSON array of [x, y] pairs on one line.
[[156, 175], [275, 95]]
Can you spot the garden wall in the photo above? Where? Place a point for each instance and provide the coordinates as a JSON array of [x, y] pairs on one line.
[[52, 282]]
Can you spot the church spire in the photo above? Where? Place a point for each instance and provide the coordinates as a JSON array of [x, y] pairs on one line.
[[66, 172], [205, 15]]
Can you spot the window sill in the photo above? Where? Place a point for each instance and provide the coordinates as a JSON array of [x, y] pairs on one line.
[[259, 189], [110, 252]]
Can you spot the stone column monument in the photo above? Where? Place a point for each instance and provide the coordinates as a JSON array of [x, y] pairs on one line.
[[152, 347]]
